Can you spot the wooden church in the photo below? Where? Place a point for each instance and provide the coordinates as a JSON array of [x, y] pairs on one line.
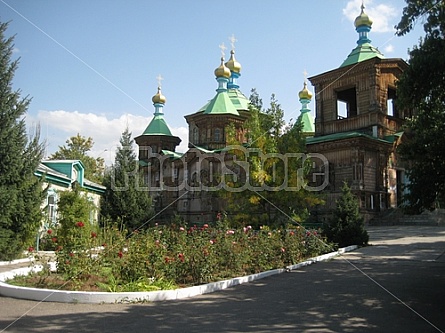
[[356, 130]]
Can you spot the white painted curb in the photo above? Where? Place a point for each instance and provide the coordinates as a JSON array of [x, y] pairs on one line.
[[63, 296]]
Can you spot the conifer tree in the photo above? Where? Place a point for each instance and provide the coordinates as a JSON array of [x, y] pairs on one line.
[[347, 226], [126, 201], [21, 191]]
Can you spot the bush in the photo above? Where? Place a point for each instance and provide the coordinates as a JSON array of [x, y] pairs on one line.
[[177, 254]]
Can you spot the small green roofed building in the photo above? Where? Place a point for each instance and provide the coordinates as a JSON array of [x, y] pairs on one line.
[[64, 175]]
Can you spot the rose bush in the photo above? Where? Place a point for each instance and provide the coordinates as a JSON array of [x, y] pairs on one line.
[[177, 254]]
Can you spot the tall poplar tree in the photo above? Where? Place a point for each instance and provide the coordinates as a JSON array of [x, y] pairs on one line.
[[21, 192], [126, 200]]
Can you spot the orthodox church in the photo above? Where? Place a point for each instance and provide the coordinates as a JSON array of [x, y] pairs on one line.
[[356, 129]]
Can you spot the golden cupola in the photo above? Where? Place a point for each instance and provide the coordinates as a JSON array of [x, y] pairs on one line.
[[232, 64], [159, 98], [222, 70], [362, 19], [305, 93]]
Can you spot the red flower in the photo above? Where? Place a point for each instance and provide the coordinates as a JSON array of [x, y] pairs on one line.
[[292, 233], [71, 254], [104, 244], [54, 239], [59, 248], [167, 260], [181, 257], [30, 249], [120, 254], [80, 224], [49, 231], [93, 234]]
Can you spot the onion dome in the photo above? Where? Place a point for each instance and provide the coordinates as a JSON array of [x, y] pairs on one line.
[[362, 19], [222, 70], [232, 64], [159, 98], [305, 93]]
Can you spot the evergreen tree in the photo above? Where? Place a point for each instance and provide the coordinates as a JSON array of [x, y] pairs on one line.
[[422, 89], [77, 148], [347, 226], [126, 200], [21, 191]]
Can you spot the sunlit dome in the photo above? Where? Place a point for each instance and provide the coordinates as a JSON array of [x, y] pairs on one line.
[[232, 64], [362, 19], [222, 70], [159, 98], [305, 93]]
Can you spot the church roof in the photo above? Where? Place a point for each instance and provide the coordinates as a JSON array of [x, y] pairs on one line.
[[157, 126], [221, 104], [307, 121], [340, 136], [361, 53], [239, 100]]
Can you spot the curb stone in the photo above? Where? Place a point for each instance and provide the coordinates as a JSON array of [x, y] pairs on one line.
[[64, 296]]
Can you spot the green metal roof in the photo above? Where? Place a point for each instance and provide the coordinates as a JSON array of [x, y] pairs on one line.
[[307, 120], [342, 135], [361, 53], [170, 153], [157, 126], [221, 104], [393, 138], [240, 101]]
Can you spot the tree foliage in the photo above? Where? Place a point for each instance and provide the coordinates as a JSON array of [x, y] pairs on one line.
[[422, 89], [126, 200], [276, 169], [77, 148], [347, 226], [21, 192]]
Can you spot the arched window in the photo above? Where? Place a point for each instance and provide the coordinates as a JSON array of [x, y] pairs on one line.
[[217, 135], [196, 135]]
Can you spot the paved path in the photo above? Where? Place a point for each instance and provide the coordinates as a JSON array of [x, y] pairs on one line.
[[395, 285]]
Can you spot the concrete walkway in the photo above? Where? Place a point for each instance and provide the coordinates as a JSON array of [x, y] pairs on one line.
[[395, 285]]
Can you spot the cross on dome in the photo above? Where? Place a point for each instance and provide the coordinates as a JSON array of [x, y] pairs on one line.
[[159, 78], [232, 40], [223, 49]]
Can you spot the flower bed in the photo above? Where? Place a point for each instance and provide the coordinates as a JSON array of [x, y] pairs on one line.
[[168, 257]]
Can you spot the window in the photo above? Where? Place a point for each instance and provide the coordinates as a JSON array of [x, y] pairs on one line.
[[52, 208], [195, 135], [346, 103], [390, 103], [217, 135]]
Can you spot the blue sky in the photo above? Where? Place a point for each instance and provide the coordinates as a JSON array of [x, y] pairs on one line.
[[91, 66]]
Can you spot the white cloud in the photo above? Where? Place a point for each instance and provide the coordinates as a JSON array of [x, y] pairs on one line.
[[105, 132], [389, 48], [382, 15]]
